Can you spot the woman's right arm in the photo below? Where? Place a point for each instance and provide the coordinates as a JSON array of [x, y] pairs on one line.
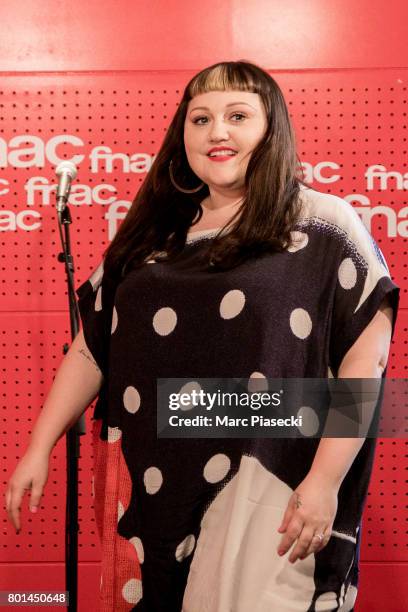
[[76, 384]]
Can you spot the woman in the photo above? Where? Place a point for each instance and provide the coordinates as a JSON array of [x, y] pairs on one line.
[[226, 265]]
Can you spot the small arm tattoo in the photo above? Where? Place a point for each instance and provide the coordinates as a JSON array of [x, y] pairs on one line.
[[88, 356]]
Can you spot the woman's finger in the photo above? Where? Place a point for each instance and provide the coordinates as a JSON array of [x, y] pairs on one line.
[[292, 533], [286, 519], [36, 493], [324, 542], [15, 506], [317, 543], [304, 541]]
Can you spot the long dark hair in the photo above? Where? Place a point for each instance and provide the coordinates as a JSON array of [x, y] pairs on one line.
[[161, 215]]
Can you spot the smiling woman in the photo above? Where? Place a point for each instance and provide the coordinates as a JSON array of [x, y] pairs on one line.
[[221, 131], [228, 265], [233, 105]]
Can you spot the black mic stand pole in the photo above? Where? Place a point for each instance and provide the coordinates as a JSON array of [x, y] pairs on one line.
[[78, 429]]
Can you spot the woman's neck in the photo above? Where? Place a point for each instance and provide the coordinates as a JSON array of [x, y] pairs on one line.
[[214, 217]]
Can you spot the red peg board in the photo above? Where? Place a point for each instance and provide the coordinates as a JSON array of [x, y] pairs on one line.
[[345, 122]]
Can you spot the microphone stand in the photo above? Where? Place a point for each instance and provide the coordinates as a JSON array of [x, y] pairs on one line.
[[78, 429]]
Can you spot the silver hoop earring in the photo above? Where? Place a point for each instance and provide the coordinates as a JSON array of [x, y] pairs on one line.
[[182, 188]]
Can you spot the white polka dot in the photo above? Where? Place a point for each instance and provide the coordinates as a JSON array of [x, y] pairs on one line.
[[326, 601], [188, 388], [347, 273], [232, 303], [131, 399], [257, 383], [185, 548], [350, 600], [114, 434], [164, 321], [310, 421], [132, 591], [299, 241], [98, 299], [96, 277], [114, 320], [137, 543], [121, 510], [153, 480], [300, 323], [217, 468]]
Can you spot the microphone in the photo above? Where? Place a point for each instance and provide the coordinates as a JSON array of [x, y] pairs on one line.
[[66, 171]]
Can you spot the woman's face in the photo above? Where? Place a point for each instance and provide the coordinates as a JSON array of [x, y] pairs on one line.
[[223, 119]]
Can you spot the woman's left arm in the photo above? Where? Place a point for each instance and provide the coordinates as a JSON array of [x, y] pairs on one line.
[[312, 507], [367, 358]]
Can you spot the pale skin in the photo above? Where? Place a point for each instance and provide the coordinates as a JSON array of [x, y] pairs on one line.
[[238, 120]]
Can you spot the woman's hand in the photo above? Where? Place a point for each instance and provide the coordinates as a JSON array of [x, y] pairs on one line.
[[31, 473], [311, 510]]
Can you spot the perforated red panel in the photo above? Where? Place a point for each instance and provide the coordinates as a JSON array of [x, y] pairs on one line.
[[345, 122]]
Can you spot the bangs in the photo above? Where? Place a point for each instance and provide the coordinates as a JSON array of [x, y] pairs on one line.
[[223, 77]]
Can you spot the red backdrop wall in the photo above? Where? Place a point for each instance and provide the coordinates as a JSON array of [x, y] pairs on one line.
[[98, 82]]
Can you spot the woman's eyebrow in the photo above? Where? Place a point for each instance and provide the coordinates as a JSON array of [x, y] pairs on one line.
[[230, 104]]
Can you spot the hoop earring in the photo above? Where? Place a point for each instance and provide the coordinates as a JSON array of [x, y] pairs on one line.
[[182, 188]]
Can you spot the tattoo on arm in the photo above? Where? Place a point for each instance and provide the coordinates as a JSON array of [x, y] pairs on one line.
[[90, 358]]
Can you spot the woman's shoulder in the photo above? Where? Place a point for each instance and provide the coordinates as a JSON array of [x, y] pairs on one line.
[[334, 215], [329, 208]]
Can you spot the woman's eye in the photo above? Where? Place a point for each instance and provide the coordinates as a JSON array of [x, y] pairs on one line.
[[198, 119]]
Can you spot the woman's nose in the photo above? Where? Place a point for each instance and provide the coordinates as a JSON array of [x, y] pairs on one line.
[[219, 131]]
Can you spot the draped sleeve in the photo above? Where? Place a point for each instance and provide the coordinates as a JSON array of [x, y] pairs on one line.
[[362, 281], [96, 307]]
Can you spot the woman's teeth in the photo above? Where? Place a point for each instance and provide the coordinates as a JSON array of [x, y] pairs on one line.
[[217, 153]]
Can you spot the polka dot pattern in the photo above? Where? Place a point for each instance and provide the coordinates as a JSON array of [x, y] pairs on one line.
[[299, 241], [238, 322], [310, 421], [164, 321], [185, 548], [347, 273], [131, 399], [137, 543], [217, 468], [300, 323], [257, 383], [132, 591], [232, 304], [153, 480], [188, 388]]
